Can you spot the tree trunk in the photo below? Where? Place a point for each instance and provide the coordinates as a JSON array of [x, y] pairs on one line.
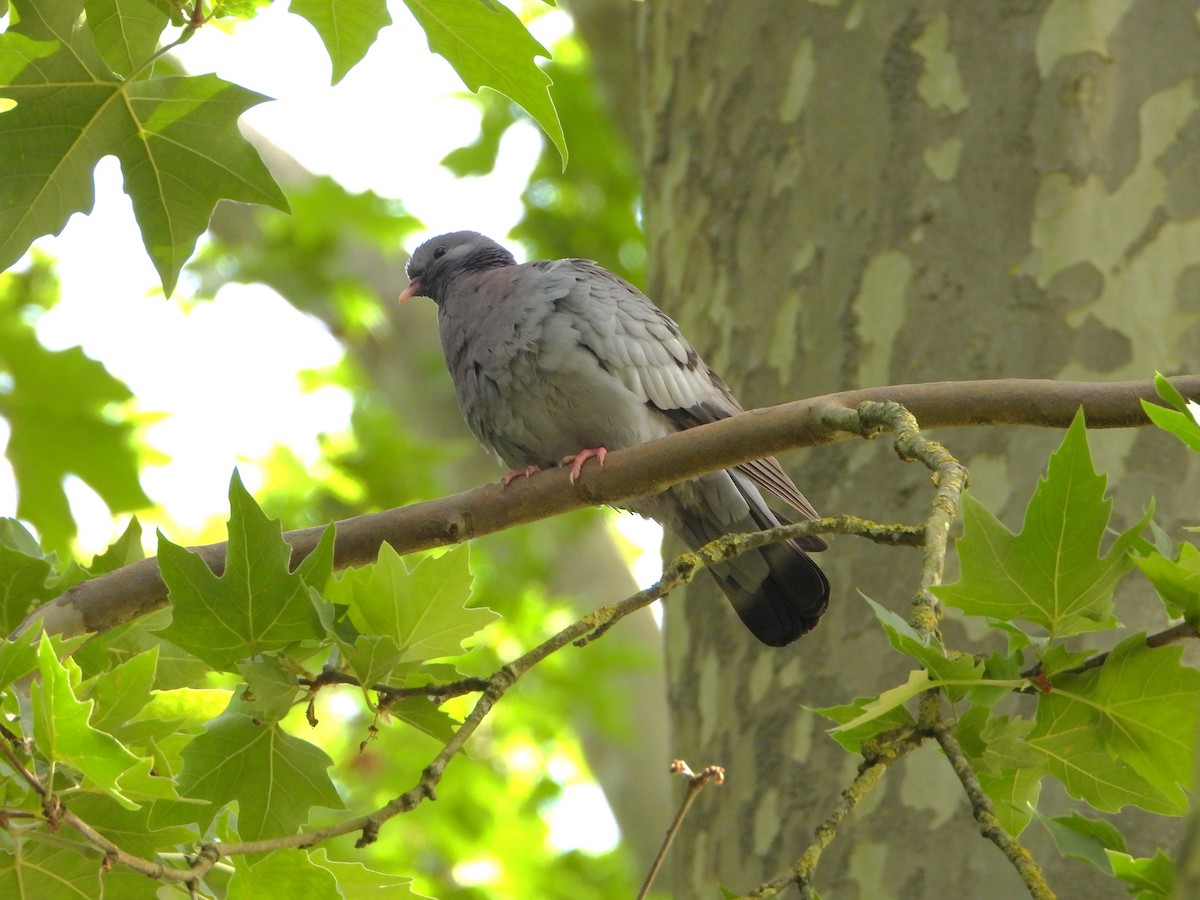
[[846, 194]]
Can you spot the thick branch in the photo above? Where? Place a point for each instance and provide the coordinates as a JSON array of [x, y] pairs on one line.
[[116, 598]]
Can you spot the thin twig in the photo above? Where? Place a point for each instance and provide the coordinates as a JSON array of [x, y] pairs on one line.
[[695, 784], [989, 826], [1180, 632], [882, 752]]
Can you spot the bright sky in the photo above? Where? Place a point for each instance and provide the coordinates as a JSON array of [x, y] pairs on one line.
[[384, 128]]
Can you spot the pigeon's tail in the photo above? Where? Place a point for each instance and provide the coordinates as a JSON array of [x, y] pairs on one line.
[[777, 590], [787, 603]]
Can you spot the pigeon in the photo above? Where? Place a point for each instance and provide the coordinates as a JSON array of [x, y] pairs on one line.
[[561, 361]]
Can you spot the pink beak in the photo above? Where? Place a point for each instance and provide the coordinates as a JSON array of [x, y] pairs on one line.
[[413, 290]]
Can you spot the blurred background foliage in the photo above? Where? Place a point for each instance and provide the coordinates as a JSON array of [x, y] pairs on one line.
[[339, 258]]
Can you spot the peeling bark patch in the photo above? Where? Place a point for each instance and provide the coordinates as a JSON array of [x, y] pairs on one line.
[[941, 86], [708, 698], [801, 739], [928, 783], [766, 822], [1084, 222], [868, 867], [1077, 26], [880, 309], [795, 92], [1100, 348], [942, 159], [762, 676]]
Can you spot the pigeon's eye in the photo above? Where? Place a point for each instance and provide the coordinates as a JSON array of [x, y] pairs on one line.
[[439, 252]]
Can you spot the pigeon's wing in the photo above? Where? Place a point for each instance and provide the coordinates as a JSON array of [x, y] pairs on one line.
[[635, 342]]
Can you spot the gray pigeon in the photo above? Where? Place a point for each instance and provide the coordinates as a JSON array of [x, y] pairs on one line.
[[559, 361]]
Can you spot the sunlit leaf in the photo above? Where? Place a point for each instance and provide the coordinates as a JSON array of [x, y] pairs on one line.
[[423, 610], [275, 778], [347, 28], [255, 606], [176, 137], [1051, 573], [488, 46]]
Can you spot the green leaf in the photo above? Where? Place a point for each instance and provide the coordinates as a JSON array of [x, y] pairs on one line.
[[59, 407], [929, 653], [257, 605], [1014, 794], [1050, 573], [126, 32], [1177, 582], [852, 737], [1078, 837], [120, 693], [347, 28], [1149, 703], [1150, 877], [1179, 421], [423, 611], [17, 658], [22, 574], [425, 716], [1009, 771], [284, 873], [129, 829], [372, 658], [356, 880], [488, 46], [886, 703], [124, 551], [1125, 733], [270, 691], [275, 778], [176, 137], [66, 870], [64, 734]]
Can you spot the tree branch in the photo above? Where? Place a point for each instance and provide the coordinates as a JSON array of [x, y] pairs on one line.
[[118, 597]]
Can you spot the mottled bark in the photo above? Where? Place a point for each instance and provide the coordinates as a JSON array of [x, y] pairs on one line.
[[842, 195]]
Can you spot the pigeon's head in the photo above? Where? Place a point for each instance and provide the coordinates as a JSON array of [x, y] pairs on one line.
[[440, 260]]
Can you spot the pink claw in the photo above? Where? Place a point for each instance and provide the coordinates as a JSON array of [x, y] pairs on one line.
[[580, 458], [508, 477]]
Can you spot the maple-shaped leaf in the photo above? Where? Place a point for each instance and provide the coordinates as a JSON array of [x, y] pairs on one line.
[[64, 733], [1008, 769], [1079, 837], [357, 880], [59, 408], [129, 829], [66, 870], [347, 28], [1124, 733], [283, 873], [423, 611], [23, 573], [959, 673], [258, 604], [1177, 581], [487, 45], [270, 691], [176, 137], [1152, 876], [852, 737], [1051, 573], [275, 778]]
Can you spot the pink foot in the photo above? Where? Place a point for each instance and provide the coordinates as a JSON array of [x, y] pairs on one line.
[[580, 458], [508, 477]]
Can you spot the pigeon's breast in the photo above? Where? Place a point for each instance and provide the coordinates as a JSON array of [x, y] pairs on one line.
[[529, 387]]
